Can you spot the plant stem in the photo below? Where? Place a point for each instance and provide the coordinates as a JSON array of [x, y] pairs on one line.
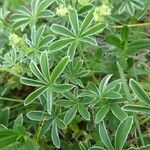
[[132, 25], [129, 98]]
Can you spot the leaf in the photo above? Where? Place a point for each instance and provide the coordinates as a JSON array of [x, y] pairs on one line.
[[35, 70], [38, 115], [45, 66], [29, 144], [60, 88], [60, 124], [38, 35], [118, 112], [61, 30], [69, 95], [86, 22], [125, 85], [83, 145], [130, 6], [64, 103], [89, 40], [104, 136], [44, 5], [114, 40], [70, 115], [113, 95], [84, 112], [7, 132], [122, 132], [49, 103], [73, 18], [96, 148], [4, 116], [54, 135], [6, 141], [104, 83], [111, 86], [46, 126], [137, 109], [125, 33], [102, 113], [137, 45], [31, 82], [46, 14], [60, 44], [18, 121], [34, 95], [34, 5], [139, 92], [93, 30], [59, 69], [72, 50]]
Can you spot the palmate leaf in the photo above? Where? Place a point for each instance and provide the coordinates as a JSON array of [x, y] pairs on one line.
[[25, 16], [131, 6], [139, 92], [46, 83], [76, 34], [122, 132]]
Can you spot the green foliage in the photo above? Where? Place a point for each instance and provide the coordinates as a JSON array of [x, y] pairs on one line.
[[74, 75]]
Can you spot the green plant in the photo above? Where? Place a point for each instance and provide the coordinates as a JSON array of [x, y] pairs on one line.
[[70, 78]]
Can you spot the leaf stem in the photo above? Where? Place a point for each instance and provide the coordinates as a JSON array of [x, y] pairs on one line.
[[133, 25]]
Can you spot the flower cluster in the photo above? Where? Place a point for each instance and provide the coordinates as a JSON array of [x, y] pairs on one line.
[[62, 10], [14, 40], [101, 12]]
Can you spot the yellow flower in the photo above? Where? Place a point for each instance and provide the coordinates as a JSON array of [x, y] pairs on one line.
[[100, 12], [62, 10], [14, 40]]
